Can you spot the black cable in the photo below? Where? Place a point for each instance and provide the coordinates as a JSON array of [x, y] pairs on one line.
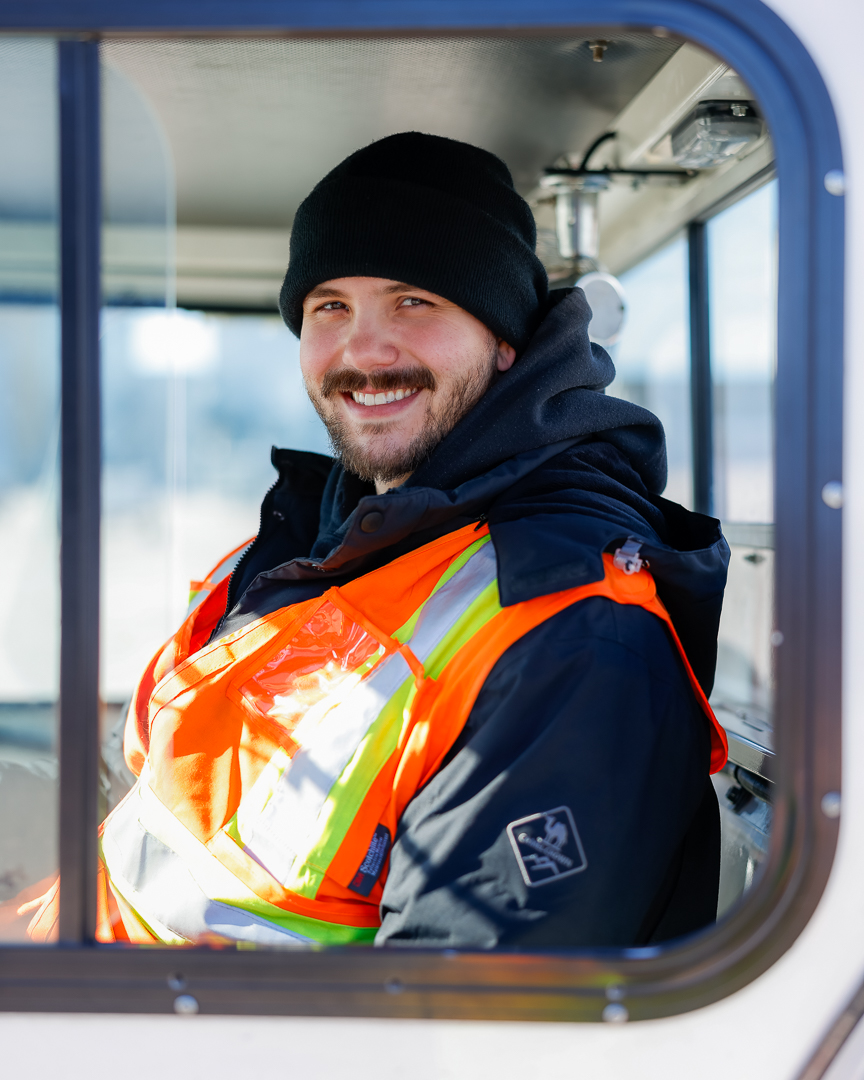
[[605, 137]]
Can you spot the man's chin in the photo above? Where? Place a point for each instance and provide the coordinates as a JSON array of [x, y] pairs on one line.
[[373, 462], [378, 440], [372, 467]]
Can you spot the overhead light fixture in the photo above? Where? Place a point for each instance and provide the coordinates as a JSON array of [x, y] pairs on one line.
[[576, 213], [714, 132], [577, 220]]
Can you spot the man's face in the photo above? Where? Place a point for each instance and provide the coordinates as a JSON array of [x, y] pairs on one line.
[[391, 369]]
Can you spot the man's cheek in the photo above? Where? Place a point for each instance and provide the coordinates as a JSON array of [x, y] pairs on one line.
[[317, 355]]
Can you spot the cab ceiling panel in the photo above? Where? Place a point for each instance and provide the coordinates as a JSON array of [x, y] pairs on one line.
[[254, 124]]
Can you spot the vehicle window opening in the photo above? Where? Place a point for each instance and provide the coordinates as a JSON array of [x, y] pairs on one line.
[[655, 193]]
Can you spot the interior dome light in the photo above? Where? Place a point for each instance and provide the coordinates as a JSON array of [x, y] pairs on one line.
[[714, 132], [608, 304]]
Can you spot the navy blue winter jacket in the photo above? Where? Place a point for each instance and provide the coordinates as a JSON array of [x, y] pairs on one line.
[[586, 736]]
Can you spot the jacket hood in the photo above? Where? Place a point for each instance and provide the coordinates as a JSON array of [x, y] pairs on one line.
[[554, 391]]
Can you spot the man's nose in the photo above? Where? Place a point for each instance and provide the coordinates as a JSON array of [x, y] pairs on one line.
[[368, 346]]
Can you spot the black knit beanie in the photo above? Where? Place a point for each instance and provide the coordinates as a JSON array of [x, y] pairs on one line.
[[432, 212]]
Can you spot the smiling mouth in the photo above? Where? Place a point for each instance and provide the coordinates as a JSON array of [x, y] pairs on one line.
[[382, 398]]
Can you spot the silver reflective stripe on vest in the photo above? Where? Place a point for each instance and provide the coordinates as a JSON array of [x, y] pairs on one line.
[[445, 607], [168, 888], [280, 833]]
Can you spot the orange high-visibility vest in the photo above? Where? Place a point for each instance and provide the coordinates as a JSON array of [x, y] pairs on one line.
[[275, 763]]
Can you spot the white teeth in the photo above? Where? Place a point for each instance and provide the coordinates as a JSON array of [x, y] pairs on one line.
[[381, 399]]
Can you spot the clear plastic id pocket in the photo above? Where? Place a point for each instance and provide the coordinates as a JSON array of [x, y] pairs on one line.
[[328, 655]]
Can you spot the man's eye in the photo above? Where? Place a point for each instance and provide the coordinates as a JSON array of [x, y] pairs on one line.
[[412, 301], [332, 305]]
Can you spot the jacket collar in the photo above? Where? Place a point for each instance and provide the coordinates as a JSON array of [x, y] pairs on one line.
[[380, 522]]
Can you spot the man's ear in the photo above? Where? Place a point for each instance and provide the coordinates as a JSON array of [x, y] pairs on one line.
[[506, 356]]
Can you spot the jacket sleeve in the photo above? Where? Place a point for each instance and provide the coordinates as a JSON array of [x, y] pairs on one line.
[[562, 815]]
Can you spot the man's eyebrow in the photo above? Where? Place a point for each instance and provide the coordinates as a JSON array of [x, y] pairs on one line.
[[321, 291], [400, 286]]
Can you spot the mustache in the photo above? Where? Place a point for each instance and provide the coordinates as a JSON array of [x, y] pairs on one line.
[[350, 381]]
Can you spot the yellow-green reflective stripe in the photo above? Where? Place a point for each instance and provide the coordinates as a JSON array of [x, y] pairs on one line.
[[484, 608], [255, 800], [405, 631], [347, 794], [282, 835], [353, 785], [215, 881]]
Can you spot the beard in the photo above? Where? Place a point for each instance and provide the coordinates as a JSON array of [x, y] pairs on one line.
[[378, 456]]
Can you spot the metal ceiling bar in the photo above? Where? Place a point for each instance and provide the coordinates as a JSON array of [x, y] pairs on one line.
[[701, 406], [80, 222]]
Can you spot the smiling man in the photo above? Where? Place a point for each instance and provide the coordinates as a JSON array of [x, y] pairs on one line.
[[391, 368], [454, 692]]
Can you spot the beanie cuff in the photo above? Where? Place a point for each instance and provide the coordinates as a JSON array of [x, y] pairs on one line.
[[360, 226]]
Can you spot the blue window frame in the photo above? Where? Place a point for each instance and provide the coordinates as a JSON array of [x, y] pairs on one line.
[[650, 982]]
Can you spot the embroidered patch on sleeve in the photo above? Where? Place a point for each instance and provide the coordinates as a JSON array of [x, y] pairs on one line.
[[547, 846], [370, 868]]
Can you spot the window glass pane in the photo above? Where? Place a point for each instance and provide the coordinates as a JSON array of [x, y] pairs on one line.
[[29, 487], [137, 275], [193, 402], [652, 360], [742, 247]]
